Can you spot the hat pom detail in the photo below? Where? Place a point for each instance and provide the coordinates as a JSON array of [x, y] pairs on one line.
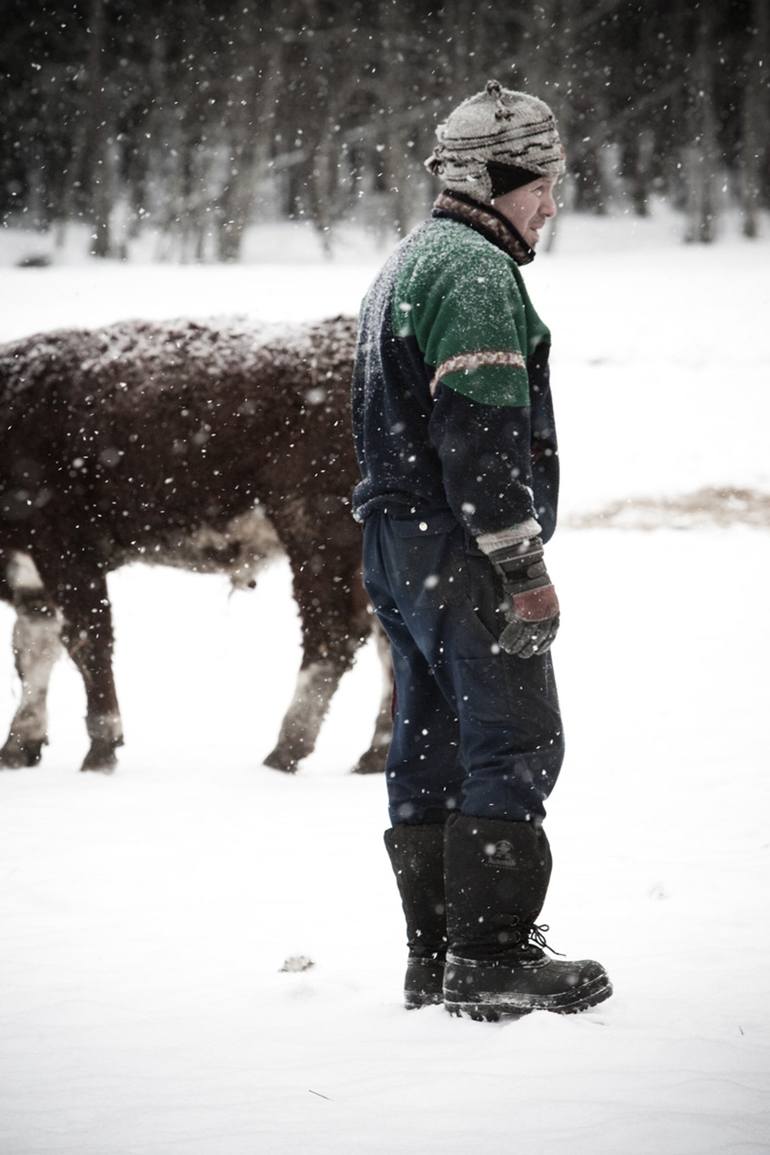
[[495, 88]]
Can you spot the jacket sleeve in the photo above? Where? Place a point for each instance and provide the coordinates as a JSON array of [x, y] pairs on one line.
[[468, 326], [485, 461]]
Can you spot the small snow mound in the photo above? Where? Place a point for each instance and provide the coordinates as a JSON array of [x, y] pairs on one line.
[[713, 506], [296, 963]]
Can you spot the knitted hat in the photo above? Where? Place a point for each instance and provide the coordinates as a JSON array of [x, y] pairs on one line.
[[504, 127]]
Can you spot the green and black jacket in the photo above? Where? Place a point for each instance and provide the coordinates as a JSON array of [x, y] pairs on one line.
[[451, 399]]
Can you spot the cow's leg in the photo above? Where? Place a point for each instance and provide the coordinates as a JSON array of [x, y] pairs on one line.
[[316, 684], [36, 647], [373, 760], [88, 638], [334, 625]]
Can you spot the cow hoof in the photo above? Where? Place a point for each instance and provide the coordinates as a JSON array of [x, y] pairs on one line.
[[15, 755], [279, 759], [101, 758], [372, 762]]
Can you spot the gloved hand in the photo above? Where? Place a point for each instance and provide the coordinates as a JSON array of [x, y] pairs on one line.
[[531, 605]]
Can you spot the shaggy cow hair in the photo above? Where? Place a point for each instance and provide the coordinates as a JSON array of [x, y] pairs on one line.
[[208, 446]]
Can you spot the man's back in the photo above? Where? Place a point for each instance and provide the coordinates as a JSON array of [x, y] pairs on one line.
[[451, 402]]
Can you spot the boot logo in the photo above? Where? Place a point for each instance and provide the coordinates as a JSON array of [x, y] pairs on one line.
[[500, 854]]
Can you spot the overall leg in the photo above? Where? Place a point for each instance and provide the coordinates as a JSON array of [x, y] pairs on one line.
[[423, 772], [442, 606], [498, 860], [497, 857], [512, 741], [423, 781]]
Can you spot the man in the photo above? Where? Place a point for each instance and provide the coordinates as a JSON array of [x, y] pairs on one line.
[[455, 441]]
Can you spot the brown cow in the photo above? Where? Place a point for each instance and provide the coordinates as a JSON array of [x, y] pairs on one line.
[[210, 446]]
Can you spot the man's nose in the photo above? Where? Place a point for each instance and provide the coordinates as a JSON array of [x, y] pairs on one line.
[[548, 206]]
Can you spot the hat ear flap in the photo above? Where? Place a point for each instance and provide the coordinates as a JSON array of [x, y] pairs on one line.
[[435, 162]]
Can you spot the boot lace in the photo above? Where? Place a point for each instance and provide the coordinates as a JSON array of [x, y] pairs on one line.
[[536, 937]]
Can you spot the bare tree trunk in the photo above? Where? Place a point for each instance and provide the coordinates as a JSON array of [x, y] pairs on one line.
[[396, 134], [461, 25], [752, 137], [160, 180], [97, 158], [535, 64], [701, 155], [585, 115], [253, 90], [321, 187], [636, 166], [233, 204]]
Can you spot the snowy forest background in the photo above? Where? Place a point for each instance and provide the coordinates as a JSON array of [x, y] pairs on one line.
[[192, 119]]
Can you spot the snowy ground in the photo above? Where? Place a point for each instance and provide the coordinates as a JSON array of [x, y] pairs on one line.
[[146, 916]]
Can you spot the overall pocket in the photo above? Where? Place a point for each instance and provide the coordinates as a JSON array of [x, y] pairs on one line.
[[484, 589], [425, 526]]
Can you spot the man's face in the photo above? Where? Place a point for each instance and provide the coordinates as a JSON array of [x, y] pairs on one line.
[[529, 207]]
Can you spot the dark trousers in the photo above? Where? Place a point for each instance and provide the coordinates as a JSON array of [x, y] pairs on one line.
[[475, 729]]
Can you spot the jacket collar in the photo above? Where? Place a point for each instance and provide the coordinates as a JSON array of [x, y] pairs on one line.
[[486, 220]]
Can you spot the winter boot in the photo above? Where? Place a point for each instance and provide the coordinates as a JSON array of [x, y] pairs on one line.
[[417, 857], [496, 880]]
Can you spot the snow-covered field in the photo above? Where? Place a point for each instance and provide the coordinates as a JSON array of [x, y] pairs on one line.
[[145, 917]]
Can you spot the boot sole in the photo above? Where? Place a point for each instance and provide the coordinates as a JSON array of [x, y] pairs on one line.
[[423, 983], [490, 1007], [415, 1002]]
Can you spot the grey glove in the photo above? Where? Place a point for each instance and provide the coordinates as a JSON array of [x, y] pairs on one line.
[[531, 605]]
